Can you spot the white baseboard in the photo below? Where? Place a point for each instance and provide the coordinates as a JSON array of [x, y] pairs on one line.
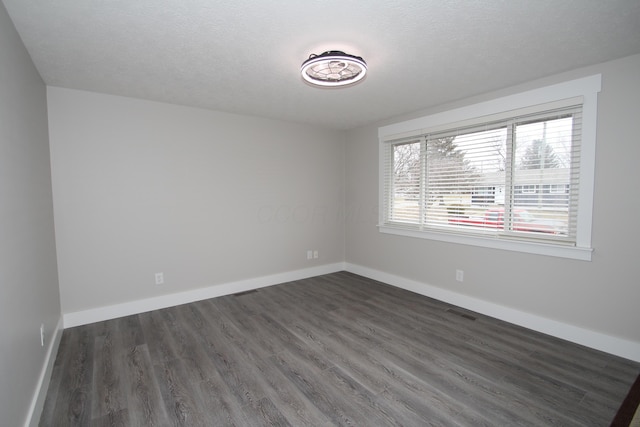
[[37, 401], [599, 341], [140, 306]]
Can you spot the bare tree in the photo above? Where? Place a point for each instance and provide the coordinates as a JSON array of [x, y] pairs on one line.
[[407, 169], [500, 148], [446, 170]]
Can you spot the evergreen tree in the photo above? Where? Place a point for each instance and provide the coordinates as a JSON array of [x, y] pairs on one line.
[[448, 171], [539, 155]]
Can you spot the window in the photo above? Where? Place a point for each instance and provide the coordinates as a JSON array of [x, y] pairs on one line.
[[519, 178]]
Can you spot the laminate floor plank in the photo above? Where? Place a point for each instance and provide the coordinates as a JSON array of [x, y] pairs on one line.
[[227, 357], [157, 338], [425, 373], [270, 415], [273, 385], [324, 395], [73, 405], [113, 419], [377, 356], [337, 349], [598, 379], [598, 408], [290, 400], [348, 356], [129, 331], [220, 405], [58, 371], [563, 402], [403, 389], [180, 395], [142, 392], [108, 389], [215, 398]]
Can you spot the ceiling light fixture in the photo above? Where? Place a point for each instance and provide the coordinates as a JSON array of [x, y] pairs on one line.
[[333, 68]]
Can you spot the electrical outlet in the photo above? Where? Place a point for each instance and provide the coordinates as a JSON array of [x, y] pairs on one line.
[[42, 334], [315, 254], [159, 278], [309, 254], [460, 275]]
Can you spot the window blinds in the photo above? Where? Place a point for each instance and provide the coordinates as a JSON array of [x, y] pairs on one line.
[[514, 175]]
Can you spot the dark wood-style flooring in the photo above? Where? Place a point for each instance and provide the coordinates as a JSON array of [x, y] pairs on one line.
[[337, 349]]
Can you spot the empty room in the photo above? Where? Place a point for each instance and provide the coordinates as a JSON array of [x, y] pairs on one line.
[[317, 213]]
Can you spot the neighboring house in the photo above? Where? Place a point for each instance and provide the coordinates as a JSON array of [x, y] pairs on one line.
[[533, 188]]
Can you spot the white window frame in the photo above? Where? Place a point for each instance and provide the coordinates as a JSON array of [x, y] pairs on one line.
[[587, 88]]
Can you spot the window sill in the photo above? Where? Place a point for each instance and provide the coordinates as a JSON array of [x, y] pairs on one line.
[[571, 252]]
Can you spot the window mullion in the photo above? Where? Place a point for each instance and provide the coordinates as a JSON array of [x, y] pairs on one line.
[[388, 182], [509, 167], [424, 191]]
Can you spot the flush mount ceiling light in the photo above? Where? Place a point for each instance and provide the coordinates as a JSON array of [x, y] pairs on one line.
[[333, 68]]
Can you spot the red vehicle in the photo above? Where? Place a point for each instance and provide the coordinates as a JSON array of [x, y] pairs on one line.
[[494, 218]]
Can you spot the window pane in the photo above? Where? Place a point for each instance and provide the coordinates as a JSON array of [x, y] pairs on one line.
[[465, 176], [542, 175], [405, 188]]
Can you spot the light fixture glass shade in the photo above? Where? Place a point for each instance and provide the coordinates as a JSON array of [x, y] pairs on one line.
[[333, 68]]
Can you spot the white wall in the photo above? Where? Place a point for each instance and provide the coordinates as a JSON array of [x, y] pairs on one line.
[[205, 197], [600, 296], [28, 277]]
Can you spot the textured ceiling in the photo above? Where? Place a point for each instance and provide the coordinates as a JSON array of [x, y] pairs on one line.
[[243, 56]]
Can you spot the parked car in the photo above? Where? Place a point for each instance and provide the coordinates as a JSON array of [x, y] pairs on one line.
[[494, 218]]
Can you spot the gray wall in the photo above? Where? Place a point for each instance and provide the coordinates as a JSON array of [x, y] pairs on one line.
[[600, 296], [210, 198], [205, 197], [28, 277]]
